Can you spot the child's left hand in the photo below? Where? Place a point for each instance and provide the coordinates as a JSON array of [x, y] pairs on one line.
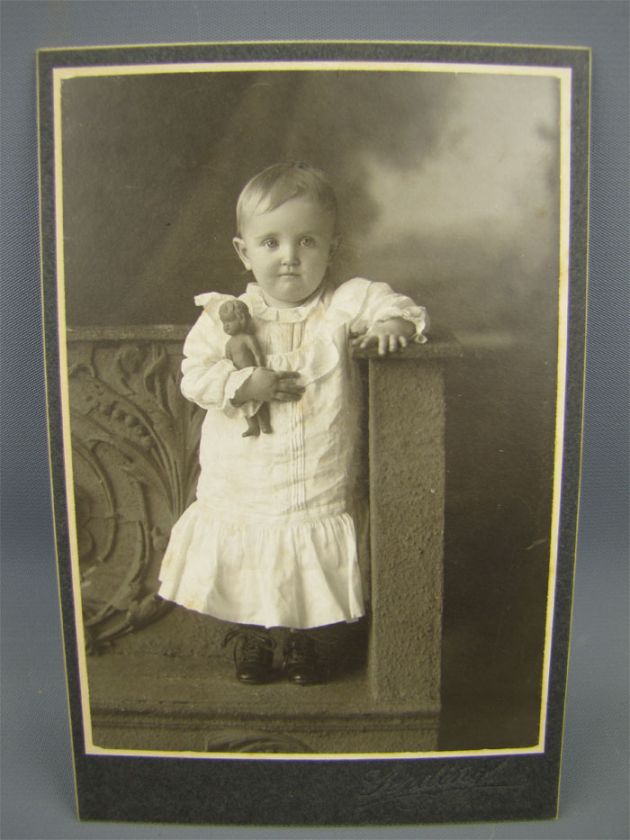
[[389, 336]]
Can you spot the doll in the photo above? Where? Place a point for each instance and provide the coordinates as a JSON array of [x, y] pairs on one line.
[[243, 351]]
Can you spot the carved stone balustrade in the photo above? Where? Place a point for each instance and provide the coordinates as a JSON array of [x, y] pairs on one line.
[[168, 686]]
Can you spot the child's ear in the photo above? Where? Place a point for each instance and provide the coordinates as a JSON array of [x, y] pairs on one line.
[[334, 245], [241, 250]]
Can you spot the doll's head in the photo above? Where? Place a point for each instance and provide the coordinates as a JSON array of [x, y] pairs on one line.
[[286, 219], [235, 317]]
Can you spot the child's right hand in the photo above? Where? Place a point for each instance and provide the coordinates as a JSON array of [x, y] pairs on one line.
[[265, 385]]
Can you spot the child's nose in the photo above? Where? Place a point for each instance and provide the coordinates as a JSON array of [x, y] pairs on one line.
[[290, 254]]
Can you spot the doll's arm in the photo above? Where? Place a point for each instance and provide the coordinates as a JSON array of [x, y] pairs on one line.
[[257, 354]]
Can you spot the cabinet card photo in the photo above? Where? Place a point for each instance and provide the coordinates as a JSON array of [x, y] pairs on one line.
[[314, 331]]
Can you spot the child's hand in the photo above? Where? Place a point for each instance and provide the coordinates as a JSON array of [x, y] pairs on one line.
[[390, 336], [265, 385]]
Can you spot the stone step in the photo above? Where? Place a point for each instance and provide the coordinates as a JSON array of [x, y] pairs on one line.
[[180, 704]]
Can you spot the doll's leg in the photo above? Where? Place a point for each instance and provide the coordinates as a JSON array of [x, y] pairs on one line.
[[263, 419], [253, 428]]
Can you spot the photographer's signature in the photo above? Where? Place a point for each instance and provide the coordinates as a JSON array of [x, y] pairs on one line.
[[396, 785]]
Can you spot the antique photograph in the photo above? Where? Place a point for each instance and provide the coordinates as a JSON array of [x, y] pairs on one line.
[[312, 323]]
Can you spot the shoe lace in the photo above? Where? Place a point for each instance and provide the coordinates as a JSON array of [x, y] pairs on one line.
[[248, 645]]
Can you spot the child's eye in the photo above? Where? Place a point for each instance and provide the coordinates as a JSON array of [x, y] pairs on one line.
[[307, 242], [270, 242]]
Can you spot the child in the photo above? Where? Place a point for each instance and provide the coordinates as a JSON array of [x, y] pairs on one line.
[[270, 540]]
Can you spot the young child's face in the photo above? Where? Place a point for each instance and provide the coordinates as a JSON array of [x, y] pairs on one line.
[[288, 250]]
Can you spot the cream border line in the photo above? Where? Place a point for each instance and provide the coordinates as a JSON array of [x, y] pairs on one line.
[[64, 73], [564, 75], [65, 414], [563, 319]]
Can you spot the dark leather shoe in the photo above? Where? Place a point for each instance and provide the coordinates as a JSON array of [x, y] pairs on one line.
[[253, 654], [301, 663]]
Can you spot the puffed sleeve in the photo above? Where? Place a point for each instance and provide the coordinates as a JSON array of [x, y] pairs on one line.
[[367, 302], [209, 379]]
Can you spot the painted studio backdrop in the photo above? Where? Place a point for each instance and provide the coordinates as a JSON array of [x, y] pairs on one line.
[[448, 186]]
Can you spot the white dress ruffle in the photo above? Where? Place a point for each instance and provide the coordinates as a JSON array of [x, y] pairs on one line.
[[302, 574], [272, 537]]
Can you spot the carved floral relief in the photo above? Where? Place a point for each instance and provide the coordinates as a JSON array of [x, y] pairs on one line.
[[134, 444]]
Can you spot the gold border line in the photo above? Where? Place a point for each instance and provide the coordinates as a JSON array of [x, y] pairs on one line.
[[65, 409], [564, 75], [435, 754], [562, 361], [64, 73]]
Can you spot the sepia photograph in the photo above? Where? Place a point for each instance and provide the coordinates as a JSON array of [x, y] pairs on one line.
[[311, 324]]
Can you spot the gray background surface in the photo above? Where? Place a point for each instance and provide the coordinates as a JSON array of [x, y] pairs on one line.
[[37, 785]]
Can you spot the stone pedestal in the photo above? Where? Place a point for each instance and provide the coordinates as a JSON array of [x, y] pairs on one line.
[[167, 686], [406, 445]]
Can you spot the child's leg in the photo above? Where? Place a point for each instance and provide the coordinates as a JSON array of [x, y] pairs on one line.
[[253, 653]]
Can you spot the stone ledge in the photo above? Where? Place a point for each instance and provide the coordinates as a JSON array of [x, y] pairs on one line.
[[441, 343], [153, 702], [140, 332], [206, 687]]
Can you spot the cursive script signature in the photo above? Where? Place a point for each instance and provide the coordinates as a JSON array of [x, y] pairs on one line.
[[395, 784]]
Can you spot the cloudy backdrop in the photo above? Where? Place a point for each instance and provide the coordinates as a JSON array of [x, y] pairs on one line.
[[447, 185]]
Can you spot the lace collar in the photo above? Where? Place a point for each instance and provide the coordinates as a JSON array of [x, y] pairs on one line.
[[288, 315]]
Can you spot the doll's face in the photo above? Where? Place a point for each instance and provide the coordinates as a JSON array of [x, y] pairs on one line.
[[235, 320], [288, 250]]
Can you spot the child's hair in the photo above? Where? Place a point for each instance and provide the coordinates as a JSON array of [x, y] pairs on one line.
[[279, 183]]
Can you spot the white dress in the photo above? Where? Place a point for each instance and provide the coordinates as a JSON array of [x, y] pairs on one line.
[[271, 538]]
